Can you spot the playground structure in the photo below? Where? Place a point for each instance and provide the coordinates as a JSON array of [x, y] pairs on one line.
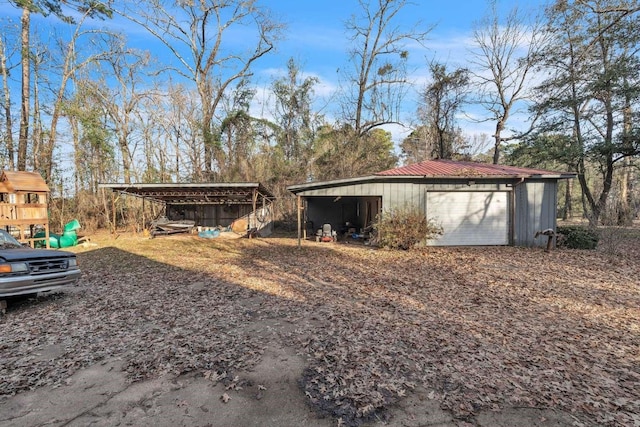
[[23, 205], [69, 237]]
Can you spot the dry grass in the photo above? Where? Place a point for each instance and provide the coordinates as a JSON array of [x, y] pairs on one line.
[[479, 328]]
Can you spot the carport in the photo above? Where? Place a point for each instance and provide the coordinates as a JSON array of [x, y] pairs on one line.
[[246, 205]]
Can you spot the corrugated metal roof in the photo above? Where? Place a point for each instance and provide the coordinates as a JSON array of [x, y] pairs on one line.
[[194, 193], [456, 169], [440, 169], [24, 181]]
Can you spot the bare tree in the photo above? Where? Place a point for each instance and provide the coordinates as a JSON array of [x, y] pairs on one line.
[[504, 57], [43, 7], [23, 134], [73, 59], [178, 122], [38, 59], [378, 77], [198, 35], [122, 100], [152, 117], [93, 152], [442, 99], [6, 101]]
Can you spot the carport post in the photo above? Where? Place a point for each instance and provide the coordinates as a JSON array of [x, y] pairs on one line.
[[299, 219], [113, 211], [254, 200]]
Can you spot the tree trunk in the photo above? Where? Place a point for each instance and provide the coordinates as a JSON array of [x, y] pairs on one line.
[[24, 111], [77, 157], [126, 158], [41, 159], [207, 135], [590, 207], [498, 139], [500, 125], [568, 208], [8, 139], [625, 214]]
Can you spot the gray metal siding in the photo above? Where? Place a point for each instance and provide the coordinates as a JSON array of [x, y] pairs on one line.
[[535, 210], [398, 194], [534, 201]]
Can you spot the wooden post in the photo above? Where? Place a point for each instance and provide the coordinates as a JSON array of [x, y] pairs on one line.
[[113, 211], [304, 223], [47, 243], [299, 200], [253, 212], [550, 242]]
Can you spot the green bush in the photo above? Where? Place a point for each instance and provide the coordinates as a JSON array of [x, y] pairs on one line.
[[403, 228], [578, 237]]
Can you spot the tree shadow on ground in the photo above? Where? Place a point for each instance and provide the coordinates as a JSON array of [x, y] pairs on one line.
[[373, 324]]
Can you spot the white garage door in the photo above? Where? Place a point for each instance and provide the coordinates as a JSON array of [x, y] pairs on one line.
[[470, 218]]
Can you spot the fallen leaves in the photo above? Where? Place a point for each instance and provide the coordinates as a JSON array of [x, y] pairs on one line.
[[479, 328]]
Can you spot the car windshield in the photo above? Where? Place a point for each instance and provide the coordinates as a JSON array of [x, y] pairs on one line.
[[7, 241]]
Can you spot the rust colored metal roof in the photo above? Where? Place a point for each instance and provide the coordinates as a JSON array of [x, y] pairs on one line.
[[455, 169], [24, 181], [440, 169]]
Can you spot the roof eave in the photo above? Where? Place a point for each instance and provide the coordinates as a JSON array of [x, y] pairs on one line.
[[179, 185], [339, 182], [130, 188], [334, 182], [488, 176]]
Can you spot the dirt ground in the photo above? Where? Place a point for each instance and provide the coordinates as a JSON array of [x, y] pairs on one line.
[[187, 331]]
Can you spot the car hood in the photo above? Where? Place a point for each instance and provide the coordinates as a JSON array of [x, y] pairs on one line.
[[26, 253]]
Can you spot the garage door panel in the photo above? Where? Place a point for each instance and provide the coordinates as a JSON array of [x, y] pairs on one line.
[[469, 218]]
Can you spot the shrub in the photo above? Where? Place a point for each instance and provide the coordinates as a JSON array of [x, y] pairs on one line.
[[578, 237], [403, 228]]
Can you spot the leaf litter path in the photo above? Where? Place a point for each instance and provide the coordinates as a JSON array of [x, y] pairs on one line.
[[479, 328]]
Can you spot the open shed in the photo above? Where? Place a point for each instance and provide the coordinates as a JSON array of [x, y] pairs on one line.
[[23, 204], [244, 206], [475, 203]]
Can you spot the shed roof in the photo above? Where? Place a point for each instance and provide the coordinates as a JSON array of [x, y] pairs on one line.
[[194, 193], [23, 181], [440, 169], [459, 169]]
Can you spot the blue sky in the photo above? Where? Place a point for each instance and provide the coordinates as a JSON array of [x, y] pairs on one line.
[[317, 35], [316, 39]]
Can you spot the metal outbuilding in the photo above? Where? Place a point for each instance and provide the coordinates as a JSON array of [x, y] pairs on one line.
[[475, 203], [207, 204]]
